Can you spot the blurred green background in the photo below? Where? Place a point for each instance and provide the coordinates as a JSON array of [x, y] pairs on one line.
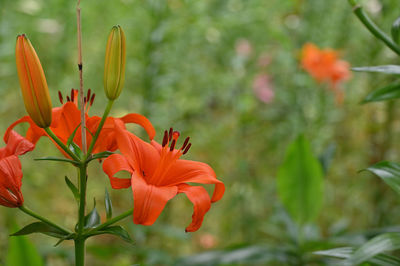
[[192, 65]]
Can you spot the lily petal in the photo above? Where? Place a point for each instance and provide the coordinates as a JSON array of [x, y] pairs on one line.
[[16, 145], [184, 171], [11, 181], [149, 200], [201, 204], [142, 121], [114, 164]]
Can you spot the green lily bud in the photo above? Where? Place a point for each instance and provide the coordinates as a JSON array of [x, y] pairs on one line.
[[114, 66], [396, 31]]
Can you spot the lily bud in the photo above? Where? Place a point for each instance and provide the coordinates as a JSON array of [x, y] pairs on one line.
[[114, 66], [35, 91]]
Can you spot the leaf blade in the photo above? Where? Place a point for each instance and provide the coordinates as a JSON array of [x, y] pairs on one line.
[[387, 69]]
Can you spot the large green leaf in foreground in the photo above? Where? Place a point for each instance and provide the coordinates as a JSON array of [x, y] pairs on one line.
[[300, 181]]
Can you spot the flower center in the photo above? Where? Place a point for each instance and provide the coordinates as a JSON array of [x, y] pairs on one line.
[[73, 97]]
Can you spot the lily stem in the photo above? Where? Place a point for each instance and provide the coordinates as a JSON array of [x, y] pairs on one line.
[[40, 218], [80, 239], [61, 145], [112, 221], [99, 128], [372, 27]]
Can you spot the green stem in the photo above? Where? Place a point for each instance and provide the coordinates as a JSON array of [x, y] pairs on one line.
[[99, 128], [112, 221], [372, 27], [40, 218], [61, 145], [80, 252]]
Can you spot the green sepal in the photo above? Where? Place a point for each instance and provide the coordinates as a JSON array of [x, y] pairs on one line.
[[73, 188], [116, 230], [387, 69], [92, 219], [389, 92], [40, 227], [108, 205]]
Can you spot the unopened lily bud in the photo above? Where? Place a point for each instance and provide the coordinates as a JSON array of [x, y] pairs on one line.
[[114, 66], [35, 91]]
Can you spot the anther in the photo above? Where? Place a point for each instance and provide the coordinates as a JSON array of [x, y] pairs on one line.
[[72, 95], [187, 148], [84, 99], [88, 94], [165, 139], [60, 97], [92, 99], [68, 99], [185, 143], [172, 145], [170, 134], [176, 135]]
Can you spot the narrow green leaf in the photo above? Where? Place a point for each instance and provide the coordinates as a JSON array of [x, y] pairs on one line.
[[116, 230], [389, 172], [71, 138], [389, 92], [21, 252], [341, 253], [67, 237], [300, 181], [76, 150], [379, 244], [396, 31], [73, 188], [101, 155], [387, 69], [92, 219], [40, 227], [108, 204], [56, 159]]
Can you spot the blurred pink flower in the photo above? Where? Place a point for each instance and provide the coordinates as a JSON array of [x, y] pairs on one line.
[[243, 47], [262, 87], [207, 241]]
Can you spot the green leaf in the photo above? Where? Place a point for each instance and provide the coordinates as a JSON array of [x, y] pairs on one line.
[[375, 246], [327, 156], [73, 188], [387, 69], [389, 172], [40, 227], [389, 92], [92, 219], [108, 204], [346, 252], [100, 155], [71, 138], [76, 150], [56, 159], [21, 252], [300, 181], [67, 237], [116, 230], [396, 31]]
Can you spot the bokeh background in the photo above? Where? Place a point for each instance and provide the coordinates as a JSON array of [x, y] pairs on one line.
[[196, 66]]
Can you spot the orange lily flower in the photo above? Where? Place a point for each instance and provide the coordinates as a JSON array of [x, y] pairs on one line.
[[158, 175], [66, 119], [325, 66], [10, 170]]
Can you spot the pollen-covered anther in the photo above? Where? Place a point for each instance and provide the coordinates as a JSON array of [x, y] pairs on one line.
[[165, 138], [60, 97], [187, 148], [92, 99], [72, 95], [170, 134]]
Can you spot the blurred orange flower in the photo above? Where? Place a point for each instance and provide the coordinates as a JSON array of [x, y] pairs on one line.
[[325, 66]]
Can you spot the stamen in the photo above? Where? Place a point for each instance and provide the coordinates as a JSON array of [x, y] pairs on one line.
[[68, 99], [92, 99], [165, 139], [187, 148], [172, 145], [60, 97], [84, 99], [170, 134], [176, 135], [72, 95], [185, 143], [88, 94]]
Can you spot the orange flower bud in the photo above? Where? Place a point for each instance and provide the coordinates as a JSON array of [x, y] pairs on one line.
[[114, 66], [33, 83]]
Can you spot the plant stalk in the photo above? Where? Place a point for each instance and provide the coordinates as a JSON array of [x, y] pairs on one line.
[[80, 240], [61, 145]]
